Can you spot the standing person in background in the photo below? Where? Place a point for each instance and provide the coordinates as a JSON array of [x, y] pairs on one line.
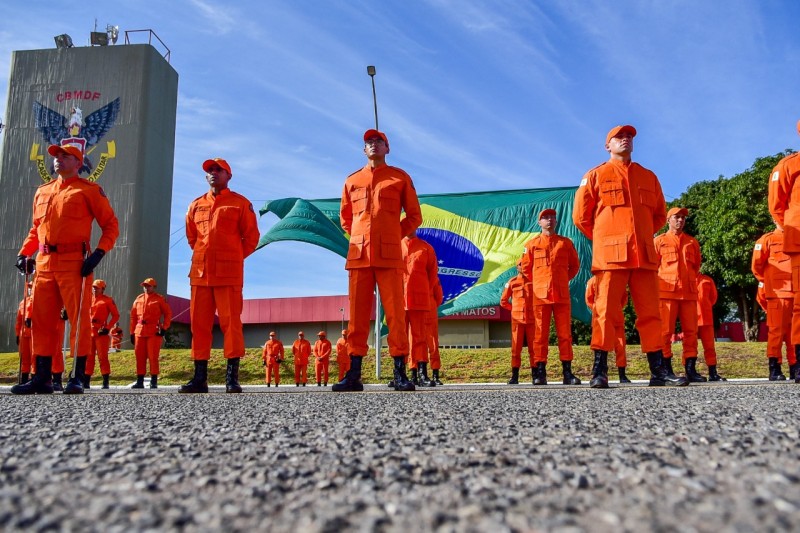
[[150, 319], [679, 256], [273, 355], [342, 357], [301, 351], [22, 328], [64, 210], [523, 324], [116, 337], [222, 231], [419, 279], [784, 206], [104, 312], [619, 327], [619, 206], [373, 200], [772, 267], [432, 330], [549, 262], [706, 298], [322, 358]]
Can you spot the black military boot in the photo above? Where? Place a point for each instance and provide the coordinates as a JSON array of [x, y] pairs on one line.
[[658, 372], [775, 372], [435, 376], [198, 383], [401, 382], [41, 383], [622, 377], [569, 377], [540, 374], [232, 376], [57, 386], [87, 382], [139, 382], [792, 371], [424, 381], [75, 382], [666, 362], [105, 380], [691, 371], [713, 375], [414, 376], [599, 370], [352, 379], [514, 376], [24, 377], [153, 381]]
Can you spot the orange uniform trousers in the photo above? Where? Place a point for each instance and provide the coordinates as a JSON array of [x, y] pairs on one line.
[[432, 338], [342, 358], [147, 349], [58, 349], [519, 333], [780, 319], [100, 346], [607, 311], [273, 369], [561, 313], [301, 373], [321, 367], [227, 302], [417, 336], [706, 336], [25, 353], [51, 292], [686, 310], [390, 285]]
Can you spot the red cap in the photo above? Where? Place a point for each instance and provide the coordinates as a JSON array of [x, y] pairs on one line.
[[369, 134], [299, 333], [344, 332], [322, 334], [149, 281], [273, 334], [208, 163], [99, 283], [545, 212], [616, 130], [69, 149], [678, 211]]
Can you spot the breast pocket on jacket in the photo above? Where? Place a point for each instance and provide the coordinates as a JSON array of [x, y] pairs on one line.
[[228, 218], [612, 193]]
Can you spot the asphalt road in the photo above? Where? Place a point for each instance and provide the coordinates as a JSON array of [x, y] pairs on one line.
[[716, 457]]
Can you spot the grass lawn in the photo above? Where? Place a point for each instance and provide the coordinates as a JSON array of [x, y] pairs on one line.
[[734, 360]]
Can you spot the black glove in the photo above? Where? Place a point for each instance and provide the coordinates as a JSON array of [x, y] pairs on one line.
[[102, 331], [91, 262], [63, 314], [133, 339], [28, 323], [17, 340], [265, 361], [25, 264], [161, 332]]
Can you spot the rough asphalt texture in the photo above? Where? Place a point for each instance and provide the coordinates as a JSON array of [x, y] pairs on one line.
[[721, 457]]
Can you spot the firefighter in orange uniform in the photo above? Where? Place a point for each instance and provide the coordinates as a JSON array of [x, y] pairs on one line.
[[772, 267], [322, 358], [419, 278], [706, 298], [784, 205], [222, 231], [116, 337], [432, 330], [104, 313], [63, 211], [619, 328], [373, 199], [301, 350], [679, 255], [273, 355], [549, 261], [342, 357], [151, 317], [523, 325], [22, 328], [619, 206]]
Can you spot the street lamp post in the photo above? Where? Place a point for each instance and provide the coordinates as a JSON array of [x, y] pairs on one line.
[[371, 73]]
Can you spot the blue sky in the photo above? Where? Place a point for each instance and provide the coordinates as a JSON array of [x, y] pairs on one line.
[[474, 95]]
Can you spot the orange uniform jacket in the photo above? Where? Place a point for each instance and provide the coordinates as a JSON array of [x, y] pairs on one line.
[[103, 307], [521, 305], [63, 211], [549, 263], [679, 266], [771, 266], [372, 200], [605, 211], [22, 331], [301, 349], [146, 312], [341, 350], [421, 274], [273, 352], [706, 298], [322, 350], [784, 200], [222, 231]]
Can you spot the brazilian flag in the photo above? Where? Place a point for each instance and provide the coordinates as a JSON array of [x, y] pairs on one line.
[[478, 238]]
